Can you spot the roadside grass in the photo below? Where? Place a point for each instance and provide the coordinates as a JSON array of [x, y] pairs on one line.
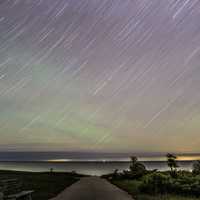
[[164, 197], [132, 187], [45, 185]]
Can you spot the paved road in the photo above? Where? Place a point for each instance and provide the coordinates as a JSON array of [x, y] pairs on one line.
[[93, 188]]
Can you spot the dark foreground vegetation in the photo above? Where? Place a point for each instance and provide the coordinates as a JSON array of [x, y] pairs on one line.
[[143, 184], [46, 185]]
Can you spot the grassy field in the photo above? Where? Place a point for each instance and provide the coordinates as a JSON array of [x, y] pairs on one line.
[[163, 197], [132, 187], [45, 185]]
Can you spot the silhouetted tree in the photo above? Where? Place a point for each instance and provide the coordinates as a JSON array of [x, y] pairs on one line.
[[172, 163], [135, 165], [196, 167], [137, 169]]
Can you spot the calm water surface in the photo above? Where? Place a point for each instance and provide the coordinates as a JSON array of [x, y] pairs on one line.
[[92, 168], [85, 163]]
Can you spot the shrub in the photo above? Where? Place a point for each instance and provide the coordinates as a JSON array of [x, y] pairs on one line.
[[186, 185], [156, 183], [196, 168], [136, 169]]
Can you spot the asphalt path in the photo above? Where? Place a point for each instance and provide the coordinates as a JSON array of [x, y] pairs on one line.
[[93, 188]]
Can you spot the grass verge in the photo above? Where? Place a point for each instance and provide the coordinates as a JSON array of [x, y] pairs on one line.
[[46, 185], [132, 187]]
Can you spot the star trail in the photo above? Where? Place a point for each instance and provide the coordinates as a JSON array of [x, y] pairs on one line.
[[100, 75]]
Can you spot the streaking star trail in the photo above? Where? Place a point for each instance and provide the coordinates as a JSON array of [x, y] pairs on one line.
[[100, 75]]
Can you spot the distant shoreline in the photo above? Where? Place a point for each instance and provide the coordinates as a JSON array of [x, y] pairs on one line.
[[89, 161], [72, 157], [87, 167]]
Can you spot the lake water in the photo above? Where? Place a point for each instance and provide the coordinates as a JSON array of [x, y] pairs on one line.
[[85, 163], [91, 168]]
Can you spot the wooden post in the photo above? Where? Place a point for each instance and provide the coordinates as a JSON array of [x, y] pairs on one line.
[[29, 197], [1, 195]]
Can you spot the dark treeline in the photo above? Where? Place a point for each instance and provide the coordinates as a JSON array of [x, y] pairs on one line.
[[155, 182]]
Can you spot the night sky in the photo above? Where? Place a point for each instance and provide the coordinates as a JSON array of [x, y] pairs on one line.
[[100, 75]]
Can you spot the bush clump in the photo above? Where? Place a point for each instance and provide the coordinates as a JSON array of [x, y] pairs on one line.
[[156, 183], [160, 183]]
